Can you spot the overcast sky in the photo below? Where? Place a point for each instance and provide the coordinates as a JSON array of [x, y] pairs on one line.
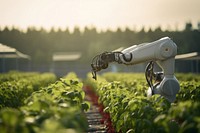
[[102, 14]]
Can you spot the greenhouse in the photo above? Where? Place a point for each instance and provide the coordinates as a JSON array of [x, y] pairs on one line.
[[10, 58]]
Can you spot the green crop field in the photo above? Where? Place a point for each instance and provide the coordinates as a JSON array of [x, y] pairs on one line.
[[124, 97], [37, 103], [41, 103]]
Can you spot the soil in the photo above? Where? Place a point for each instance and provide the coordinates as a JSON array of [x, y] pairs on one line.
[[98, 120]]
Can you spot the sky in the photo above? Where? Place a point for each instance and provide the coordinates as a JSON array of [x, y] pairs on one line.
[[102, 14]]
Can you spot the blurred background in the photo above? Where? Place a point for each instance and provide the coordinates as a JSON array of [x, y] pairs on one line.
[[64, 35]]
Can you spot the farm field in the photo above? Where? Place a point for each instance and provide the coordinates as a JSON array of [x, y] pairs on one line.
[[41, 103], [123, 96], [99, 66]]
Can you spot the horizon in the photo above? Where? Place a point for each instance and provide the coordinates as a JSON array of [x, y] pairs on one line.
[[82, 29]]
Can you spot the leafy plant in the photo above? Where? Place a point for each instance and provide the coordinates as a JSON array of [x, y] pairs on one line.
[[14, 92], [124, 97], [59, 107]]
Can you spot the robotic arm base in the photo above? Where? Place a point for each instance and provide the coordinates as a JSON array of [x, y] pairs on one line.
[[167, 88]]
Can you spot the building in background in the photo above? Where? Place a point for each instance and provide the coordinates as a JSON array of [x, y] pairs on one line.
[[12, 59], [65, 62], [188, 62]]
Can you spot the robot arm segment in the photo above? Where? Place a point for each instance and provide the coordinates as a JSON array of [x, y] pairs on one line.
[[162, 52], [101, 61], [157, 50]]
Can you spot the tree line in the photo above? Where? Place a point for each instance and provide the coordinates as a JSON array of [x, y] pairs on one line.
[[41, 44]]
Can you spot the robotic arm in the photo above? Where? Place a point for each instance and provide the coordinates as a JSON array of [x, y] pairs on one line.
[[161, 52]]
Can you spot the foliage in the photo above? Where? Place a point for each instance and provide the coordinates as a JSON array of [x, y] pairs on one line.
[[15, 76], [188, 77], [17, 87], [183, 117], [190, 90], [56, 108], [124, 97]]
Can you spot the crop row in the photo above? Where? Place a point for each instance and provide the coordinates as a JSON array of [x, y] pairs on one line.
[[17, 87], [16, 75], [131, 111], [56, 108]]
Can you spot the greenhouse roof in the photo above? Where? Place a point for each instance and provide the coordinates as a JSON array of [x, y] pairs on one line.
[[66, 56], [189, 56], [9, 52]]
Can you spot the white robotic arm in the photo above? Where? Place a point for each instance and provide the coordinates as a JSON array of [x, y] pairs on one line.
[[162, 52]]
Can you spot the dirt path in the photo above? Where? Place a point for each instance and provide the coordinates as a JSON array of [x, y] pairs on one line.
[[99, 121], [95, 121]]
